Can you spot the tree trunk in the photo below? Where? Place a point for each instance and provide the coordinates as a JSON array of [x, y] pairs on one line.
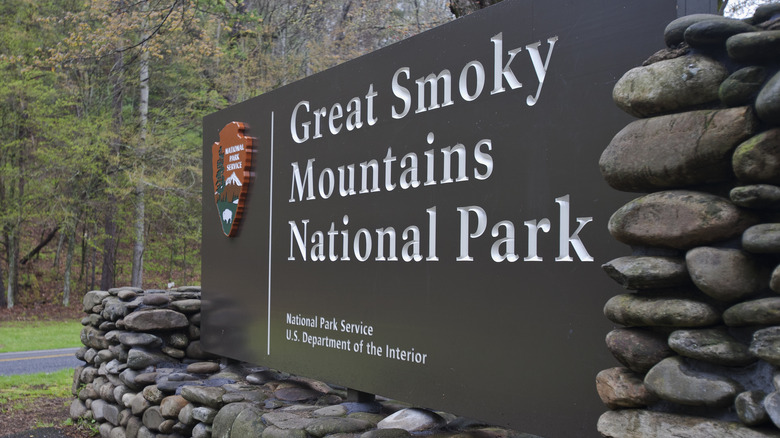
[[13, 254], [56, 263], [68, 263], [136, 279], [109, 243]]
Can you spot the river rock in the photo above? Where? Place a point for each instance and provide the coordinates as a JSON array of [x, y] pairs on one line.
[[248, 423], [645, 272], [209, 396], [156, 299], [321, 427], [621, 388], [668, 86], [203, 368], [155, 319], [636, 423], [171, 406], [762, 239], [131, 339], [204, 414], [412, 420], [757, 160], [674, 33], [152, 418], [754, 46], [715, 346], [94, 338], [677, 150], [672, 380], [764, 311], [768, 101], [742, 87], [186, 306], [678, 219], [93, 298], [725, 274], [138, 359], [750, 408], [766, 345], [223, 422], [638, 310], [706, 34], [774, 281], [286, 420], [760, 196], [772, 406], [638, 349]]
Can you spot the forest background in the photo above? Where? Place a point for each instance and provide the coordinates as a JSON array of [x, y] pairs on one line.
[[101, 103]]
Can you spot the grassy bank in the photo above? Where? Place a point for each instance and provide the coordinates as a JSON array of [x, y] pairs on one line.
[[38, 335]]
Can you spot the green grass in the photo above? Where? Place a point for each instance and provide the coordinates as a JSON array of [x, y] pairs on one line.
[[21, 390], [39, 335]]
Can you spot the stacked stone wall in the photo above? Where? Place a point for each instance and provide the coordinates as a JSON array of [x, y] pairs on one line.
[[699, 328], [146, 376]]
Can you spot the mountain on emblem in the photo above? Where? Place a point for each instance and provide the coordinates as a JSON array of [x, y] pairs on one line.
[[231, 161]]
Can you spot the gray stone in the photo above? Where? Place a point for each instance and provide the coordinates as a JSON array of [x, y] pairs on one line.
[[764, 311], [114, 309], [144, 432], [171, 406], [725, 274], [117, 432], [757, 160], [173, 352], [208, 396], [638, 349], [94, 338], [669, 86], [674, 33], [286, 420], [768, 101], [412, 420], [296, 394], [185, 415], [195, 351], [621, 388], [715, 32], [750, 408], [645, 272], [262, 377], [156, 299], [133, 425], [111, 413], [638, 310], [636, 423], [77, 409], [762, 239], [223, 422], [138, 404], [276, 432], [90, 355], [146, 379], [676, 150], [105, 430], [774, 281], [97, 409], [772, 406], [204, 414], [678, 219], [754, 46], [177, 340], [331, 411], [334, 425], [186, 306], [248, 423], [127, 294], [760, 196], [386, 433], [766, 12], [713, 345], [152, 418], [93, 298], [672, 380], [139, 339], [742, 87], [155, 319], [766, 345], [201, 431], [138, 359], [124, 417], [203, 368]]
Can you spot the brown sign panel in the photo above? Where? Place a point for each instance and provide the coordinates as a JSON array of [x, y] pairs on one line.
[[428, 221]]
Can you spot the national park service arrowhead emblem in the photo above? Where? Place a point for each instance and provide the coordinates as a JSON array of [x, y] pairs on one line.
[[231, 161]]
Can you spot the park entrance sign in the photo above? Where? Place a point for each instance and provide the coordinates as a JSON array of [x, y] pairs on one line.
[[428, 222]]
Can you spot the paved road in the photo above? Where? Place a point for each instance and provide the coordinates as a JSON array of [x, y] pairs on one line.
[[28, 362]]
